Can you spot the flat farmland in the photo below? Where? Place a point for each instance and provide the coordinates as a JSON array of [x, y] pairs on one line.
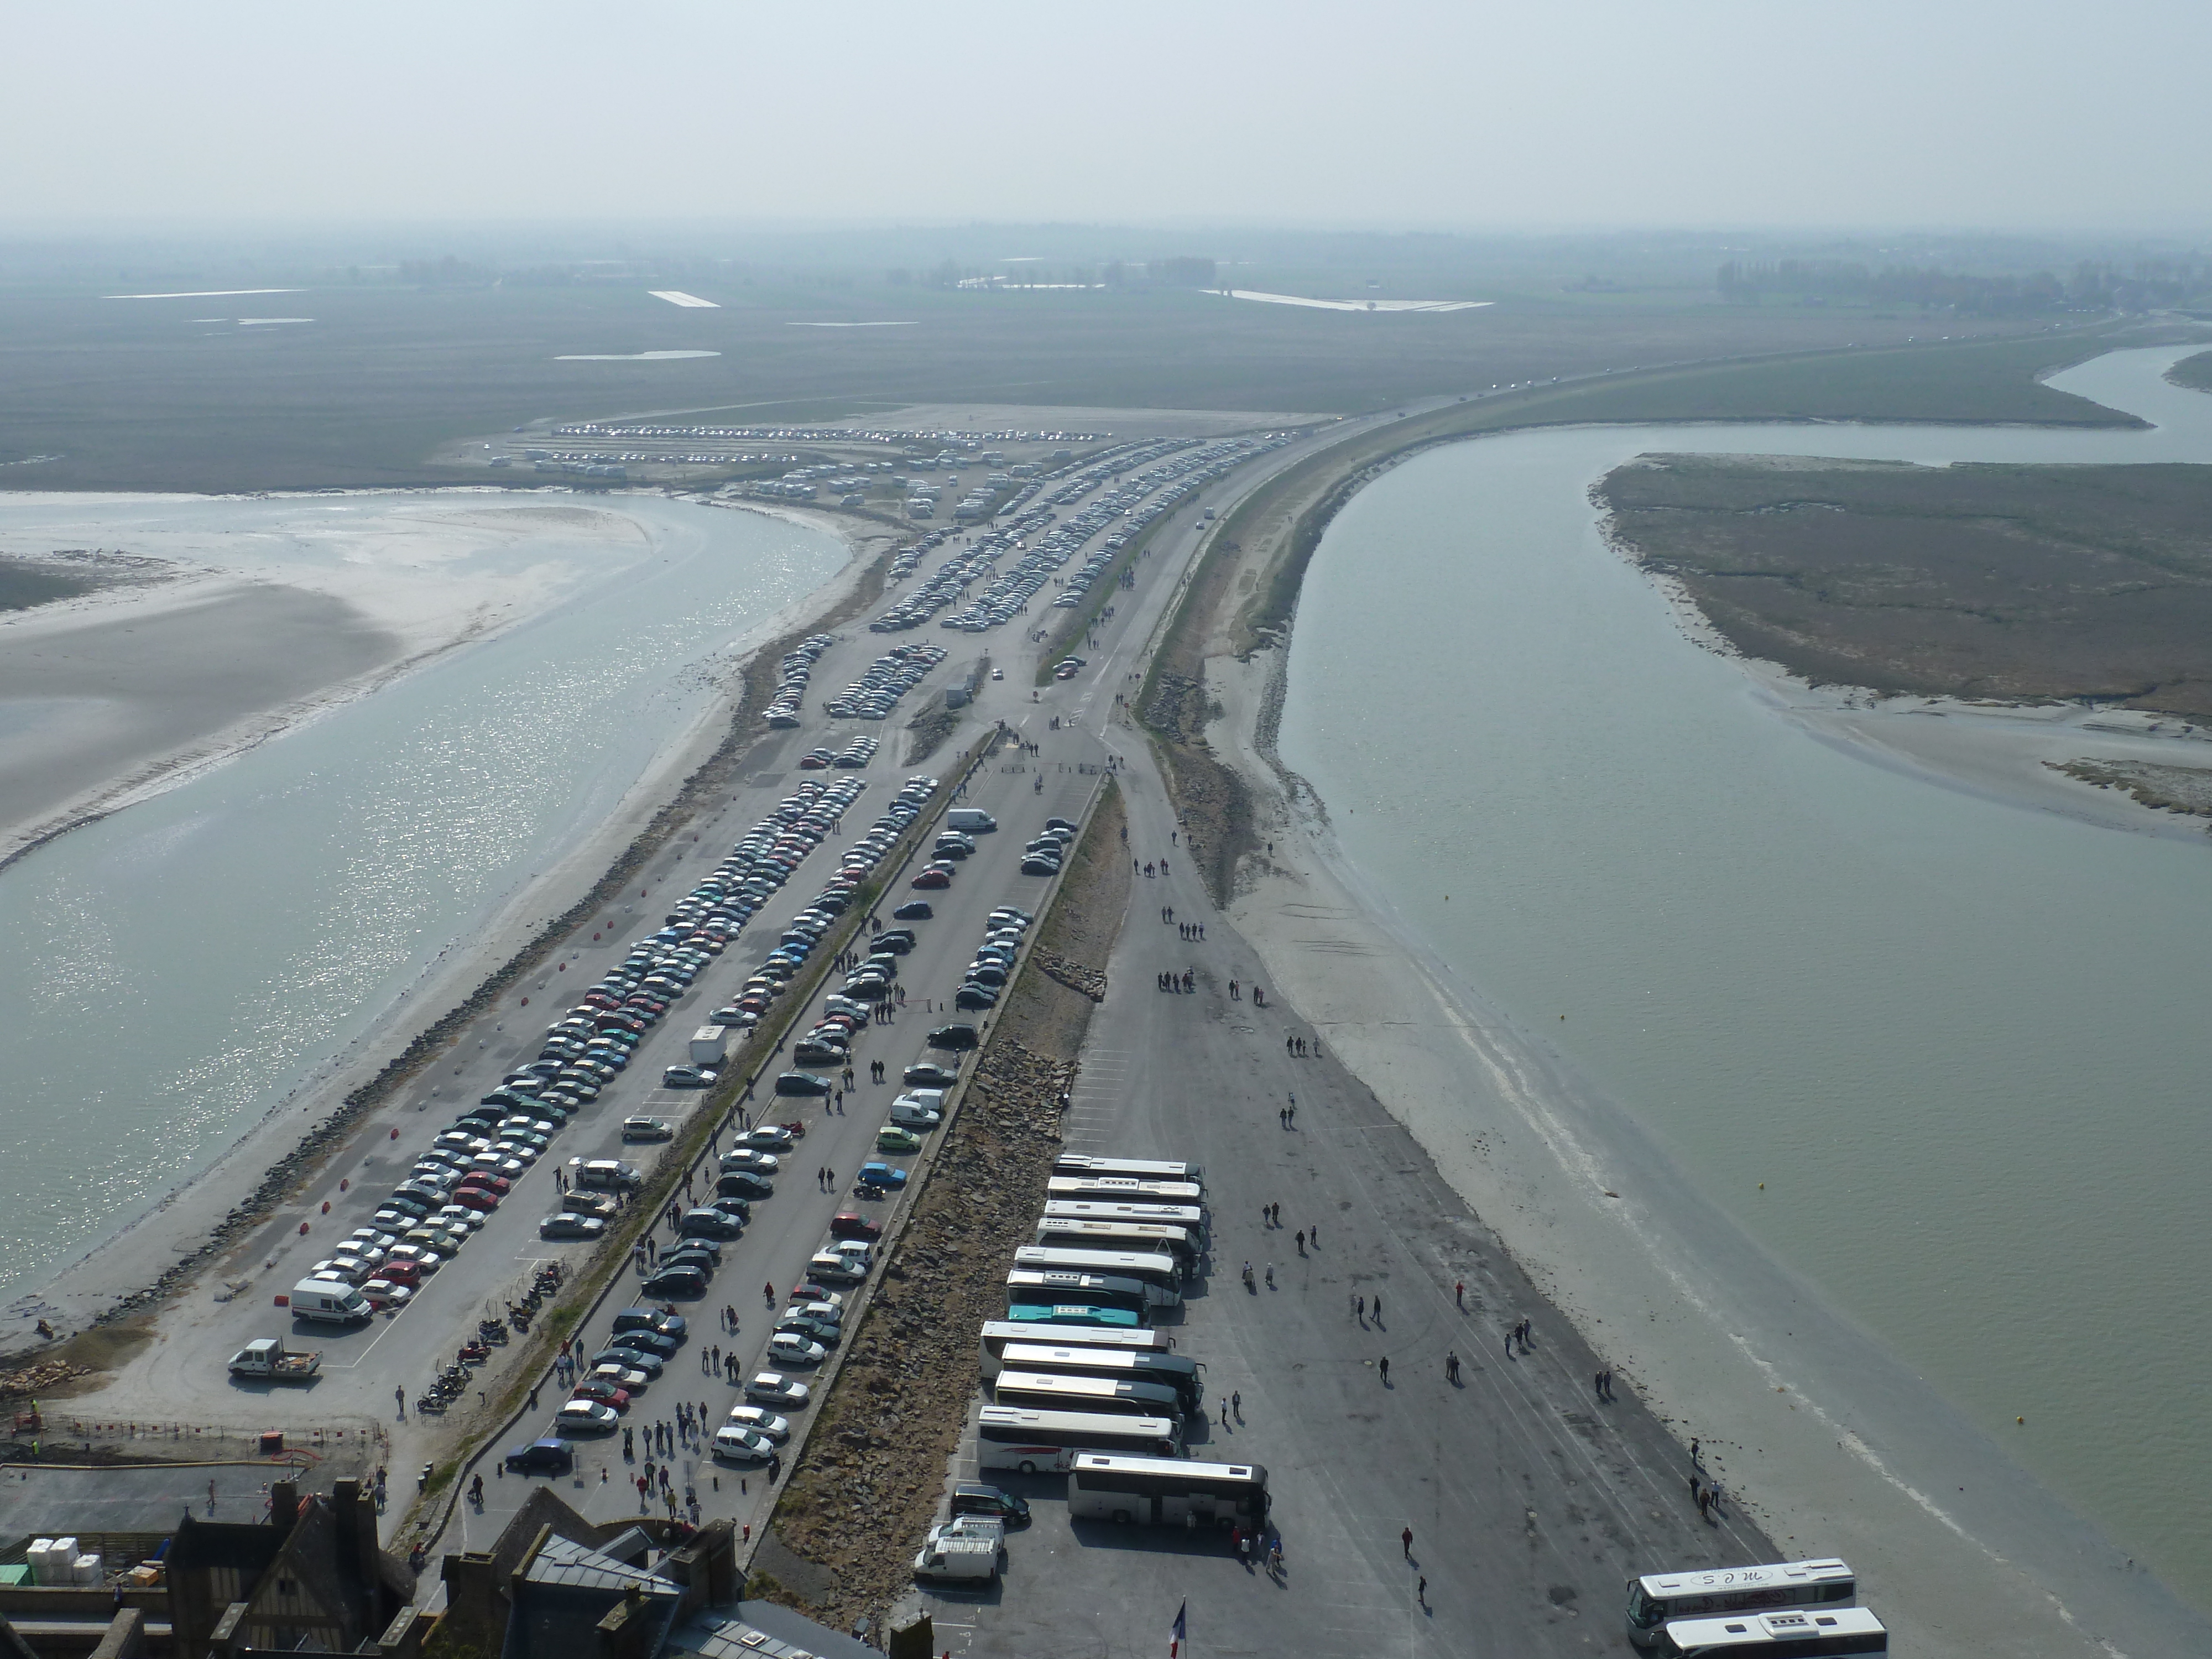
[[371, 380]]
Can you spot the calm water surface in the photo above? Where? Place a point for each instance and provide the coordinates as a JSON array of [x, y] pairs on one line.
[[175, 970], [1966, 1045]]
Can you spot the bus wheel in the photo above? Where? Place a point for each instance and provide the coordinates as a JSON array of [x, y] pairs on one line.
[[1121, 1518], [1028, 1469]]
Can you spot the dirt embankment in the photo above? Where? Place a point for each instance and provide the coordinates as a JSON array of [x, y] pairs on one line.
[[2027, 583], [865, 1488]]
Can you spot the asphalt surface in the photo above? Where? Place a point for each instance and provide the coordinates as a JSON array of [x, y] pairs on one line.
[[1531, 1501], [182, 1377]]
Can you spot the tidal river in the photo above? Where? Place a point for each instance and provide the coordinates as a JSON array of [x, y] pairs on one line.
[[172, 972], [1965, 1044]]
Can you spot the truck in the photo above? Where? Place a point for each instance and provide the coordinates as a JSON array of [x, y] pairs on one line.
[[958, 1561], [266, 1357], [329, 1301], [710, 1045]]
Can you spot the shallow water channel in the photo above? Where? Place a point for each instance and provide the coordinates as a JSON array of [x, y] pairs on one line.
[[1964, 1043], [173, 971]]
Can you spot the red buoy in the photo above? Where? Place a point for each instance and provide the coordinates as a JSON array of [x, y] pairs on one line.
[[343, 1185], [303, 1226], [327, 1210]]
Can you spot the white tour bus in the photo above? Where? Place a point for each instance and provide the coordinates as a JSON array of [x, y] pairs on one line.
[[1016, 1438], [1189, 1217], [1131, 1188], [1076, 1355], [1154, 1267], [1167, 1491], [999, 1334], [1062, 1391], [1076, 1233], [1810, 1634], [1108, 1290], [1706, 1592], [1140, 1168]]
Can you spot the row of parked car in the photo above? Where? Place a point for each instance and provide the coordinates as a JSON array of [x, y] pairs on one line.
[[890, 676], [855, 754], [644, 1338], [791, 676], [956, 574], [1177, 481]]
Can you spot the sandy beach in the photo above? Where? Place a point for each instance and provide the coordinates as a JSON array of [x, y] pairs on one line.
[[81, 1291], [133, 689], [1839, 1449]]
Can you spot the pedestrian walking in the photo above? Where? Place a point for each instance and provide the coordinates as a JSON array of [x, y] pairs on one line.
[[399, 1395], [1459, 1294], [1405, 1543], [1301, 1237], [1378, 1307], [1271, 1275], [1451, 1366], [1360, 1309], [768, 1291], [1385, 1363]]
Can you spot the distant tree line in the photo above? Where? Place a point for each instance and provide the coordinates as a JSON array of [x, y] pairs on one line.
[[2093, 286]]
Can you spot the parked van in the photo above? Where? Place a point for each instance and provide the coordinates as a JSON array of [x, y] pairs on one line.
[[608, 1174], [330, 1301], [971, 819]]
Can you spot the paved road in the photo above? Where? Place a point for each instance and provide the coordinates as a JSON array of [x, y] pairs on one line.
[[1530, 1501]]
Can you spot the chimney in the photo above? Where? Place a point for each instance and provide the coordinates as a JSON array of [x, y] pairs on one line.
[[356, 1523], [283, 1507]]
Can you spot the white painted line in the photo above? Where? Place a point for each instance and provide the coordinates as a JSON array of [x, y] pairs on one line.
[[676, 296]]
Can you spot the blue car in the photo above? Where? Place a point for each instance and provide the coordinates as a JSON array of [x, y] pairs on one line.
[[882, 1174]]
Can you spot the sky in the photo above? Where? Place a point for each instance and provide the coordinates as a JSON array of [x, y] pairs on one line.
[[2022, 114]]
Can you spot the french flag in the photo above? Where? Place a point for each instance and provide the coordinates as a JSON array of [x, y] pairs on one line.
[[1179, 1634]]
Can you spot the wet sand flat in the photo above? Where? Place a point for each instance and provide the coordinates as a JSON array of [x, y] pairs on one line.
[[93, 706]]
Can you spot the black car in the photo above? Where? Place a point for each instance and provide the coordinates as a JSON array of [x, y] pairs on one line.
[[737, 1208], [647, 1339], [897, 940], [709, 1223], [541, 1457], [742, 1184], [676, 1281], [971, 998], [913, 910], [801, 1083], [813, 1051], [926, 1076], [973, 1498], [952, 1037], [650, 1319]]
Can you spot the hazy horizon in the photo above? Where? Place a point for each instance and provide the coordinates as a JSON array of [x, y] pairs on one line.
[[1405, 116]]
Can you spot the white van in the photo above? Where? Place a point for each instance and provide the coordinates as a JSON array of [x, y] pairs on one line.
[[330, 1301], [970, 818], [958, 1560]]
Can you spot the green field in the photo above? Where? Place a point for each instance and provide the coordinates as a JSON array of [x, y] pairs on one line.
[[2017, 583], [137, 394], [2195, 373]]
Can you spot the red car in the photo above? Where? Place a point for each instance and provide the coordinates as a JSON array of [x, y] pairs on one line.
[[402, 1272], [476, 1198], [851, 1223], [931, 878], [604, 1393]]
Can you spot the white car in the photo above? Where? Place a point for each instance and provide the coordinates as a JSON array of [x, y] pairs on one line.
[[621, 1376], [457, 1219], [746, 1157], [789, 1348], [756, 1420], [768, 1137], [741, 1445], [774, 1388]]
